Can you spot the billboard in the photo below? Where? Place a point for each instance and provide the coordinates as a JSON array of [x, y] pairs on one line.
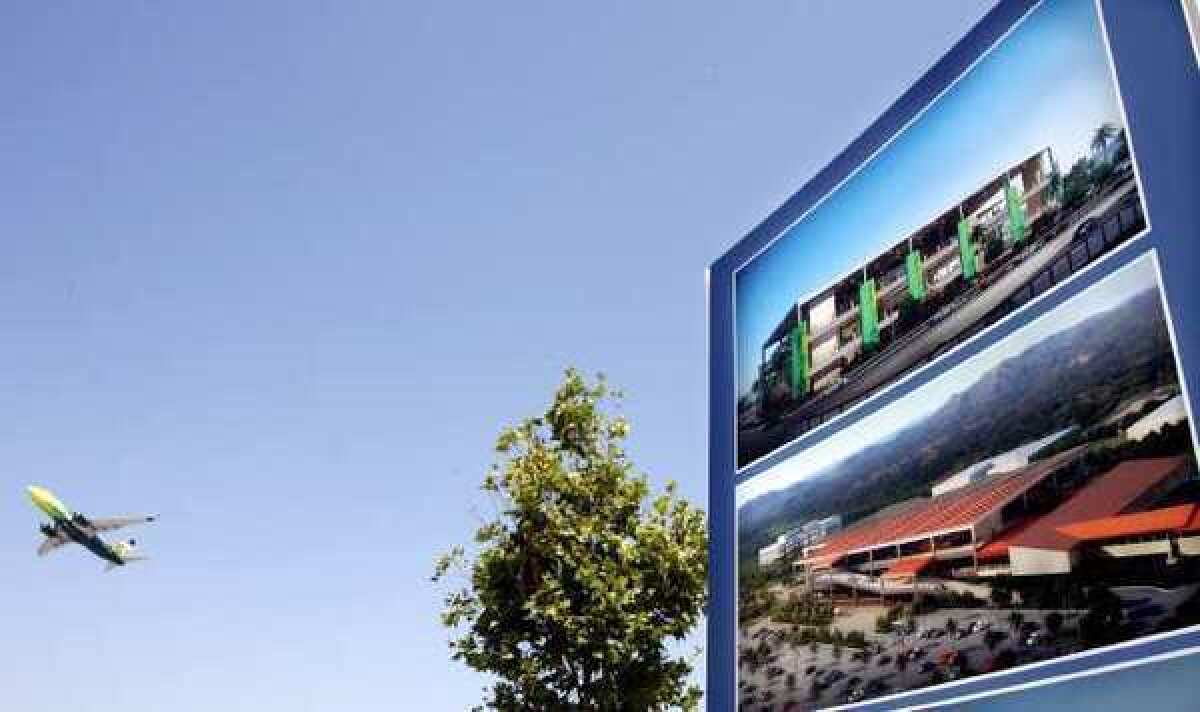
[[952, 449]]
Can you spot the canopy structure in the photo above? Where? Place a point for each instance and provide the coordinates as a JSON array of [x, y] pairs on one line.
[[1181, 519], [908, 568]]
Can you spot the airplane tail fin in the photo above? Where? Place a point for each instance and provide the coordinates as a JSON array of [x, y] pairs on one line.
[[127, 552]]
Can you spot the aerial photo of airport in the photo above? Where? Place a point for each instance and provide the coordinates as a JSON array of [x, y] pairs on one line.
[[1037, 500], [942, 234]]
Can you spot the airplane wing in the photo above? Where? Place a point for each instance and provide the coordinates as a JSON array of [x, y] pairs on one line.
[[51, 543], [108, 524]]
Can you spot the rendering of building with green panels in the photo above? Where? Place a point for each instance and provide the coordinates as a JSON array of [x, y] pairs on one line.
[[825, 336]]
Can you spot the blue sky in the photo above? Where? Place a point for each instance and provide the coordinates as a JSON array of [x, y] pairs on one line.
[[1047, 84], [883, 423], [281, 276]]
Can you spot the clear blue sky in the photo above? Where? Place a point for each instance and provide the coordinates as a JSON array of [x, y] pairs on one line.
[[1048, 84], [280, 275]]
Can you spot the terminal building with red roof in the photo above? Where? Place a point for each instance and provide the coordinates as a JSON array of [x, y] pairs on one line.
[[1114, 515], [937, 535], [1039, 519]]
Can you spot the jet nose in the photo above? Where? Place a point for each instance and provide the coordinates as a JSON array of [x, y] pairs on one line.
[[39, 495]]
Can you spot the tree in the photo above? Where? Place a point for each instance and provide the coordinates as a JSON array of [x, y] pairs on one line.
[[578, 583], [1053, 190], [1101, 137], [1121, 150], [1076, 183]]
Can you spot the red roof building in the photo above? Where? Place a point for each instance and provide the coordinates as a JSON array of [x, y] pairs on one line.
[[1046, 545], [1181, 519], [920, 529]]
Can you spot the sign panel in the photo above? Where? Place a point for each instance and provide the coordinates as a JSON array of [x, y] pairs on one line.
[[952, 444], [997, 178]]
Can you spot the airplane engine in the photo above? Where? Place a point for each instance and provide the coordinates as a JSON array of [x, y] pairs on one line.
[[48, 530], [81, 520]]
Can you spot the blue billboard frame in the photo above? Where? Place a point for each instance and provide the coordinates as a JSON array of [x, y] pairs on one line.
[[1153, 58]]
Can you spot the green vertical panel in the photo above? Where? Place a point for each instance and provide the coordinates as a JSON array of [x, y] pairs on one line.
[[915, 269], [801, 360], [1016, 213], [868, 308], [966, 249]]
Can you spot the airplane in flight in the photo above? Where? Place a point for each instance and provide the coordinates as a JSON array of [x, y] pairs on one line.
[[66, 527]]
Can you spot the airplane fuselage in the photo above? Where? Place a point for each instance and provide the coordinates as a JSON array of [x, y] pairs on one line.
[[89, 541], [64, 523]]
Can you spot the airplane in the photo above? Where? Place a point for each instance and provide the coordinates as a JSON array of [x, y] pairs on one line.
[[66, 527]]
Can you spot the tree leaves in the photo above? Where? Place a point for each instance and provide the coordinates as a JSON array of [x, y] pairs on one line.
[[578, 583]]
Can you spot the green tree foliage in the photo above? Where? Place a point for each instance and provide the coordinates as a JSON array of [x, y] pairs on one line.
[[754, 603], [804, 610], [1077, 183], [580, 582], [1092, 170]]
